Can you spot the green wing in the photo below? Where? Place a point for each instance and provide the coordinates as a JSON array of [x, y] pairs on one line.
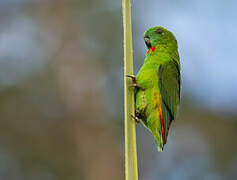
[[170, 85]]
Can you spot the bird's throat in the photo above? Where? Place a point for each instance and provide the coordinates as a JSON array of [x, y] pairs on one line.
[[152, 49]]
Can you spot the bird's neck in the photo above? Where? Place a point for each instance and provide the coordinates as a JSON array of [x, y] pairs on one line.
[[162, 50]]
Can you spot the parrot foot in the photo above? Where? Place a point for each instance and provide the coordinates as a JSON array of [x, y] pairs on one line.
[[133, 77], [134, 80], [137, 86], [136, 119], [138, 114]]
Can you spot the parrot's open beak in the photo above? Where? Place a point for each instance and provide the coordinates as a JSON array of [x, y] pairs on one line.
[[147, 41]]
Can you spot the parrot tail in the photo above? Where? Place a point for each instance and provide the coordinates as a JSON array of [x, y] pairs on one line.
[[160, 146], [159, 141], [160, 149], [160, 135], [162, 125]]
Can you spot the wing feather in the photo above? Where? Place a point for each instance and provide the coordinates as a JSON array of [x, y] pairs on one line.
[[170, 86]]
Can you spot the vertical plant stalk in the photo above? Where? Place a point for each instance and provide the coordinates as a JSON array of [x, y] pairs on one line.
[[129, 102]]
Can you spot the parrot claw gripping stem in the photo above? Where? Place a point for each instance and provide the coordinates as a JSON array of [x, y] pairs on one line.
[[137, 113], [136, 85], [136, 118], [134, 80]]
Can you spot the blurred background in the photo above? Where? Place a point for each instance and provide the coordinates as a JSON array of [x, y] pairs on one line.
[[61, 90]]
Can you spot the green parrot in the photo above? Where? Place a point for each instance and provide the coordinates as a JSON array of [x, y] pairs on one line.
[[158, 84]]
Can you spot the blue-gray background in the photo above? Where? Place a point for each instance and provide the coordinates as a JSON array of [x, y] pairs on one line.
[[61, 90]]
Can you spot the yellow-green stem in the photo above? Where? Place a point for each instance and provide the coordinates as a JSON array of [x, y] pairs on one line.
[[129, 103]]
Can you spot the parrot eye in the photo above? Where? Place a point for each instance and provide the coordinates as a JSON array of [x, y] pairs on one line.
[[159, 31]]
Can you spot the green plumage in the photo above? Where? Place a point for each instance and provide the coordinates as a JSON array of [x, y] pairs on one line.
[[158, 84]]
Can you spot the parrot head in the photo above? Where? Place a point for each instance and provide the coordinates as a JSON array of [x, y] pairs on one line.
[[159, 36]]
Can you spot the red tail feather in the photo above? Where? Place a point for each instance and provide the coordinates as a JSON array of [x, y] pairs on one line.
[[162, 125]]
